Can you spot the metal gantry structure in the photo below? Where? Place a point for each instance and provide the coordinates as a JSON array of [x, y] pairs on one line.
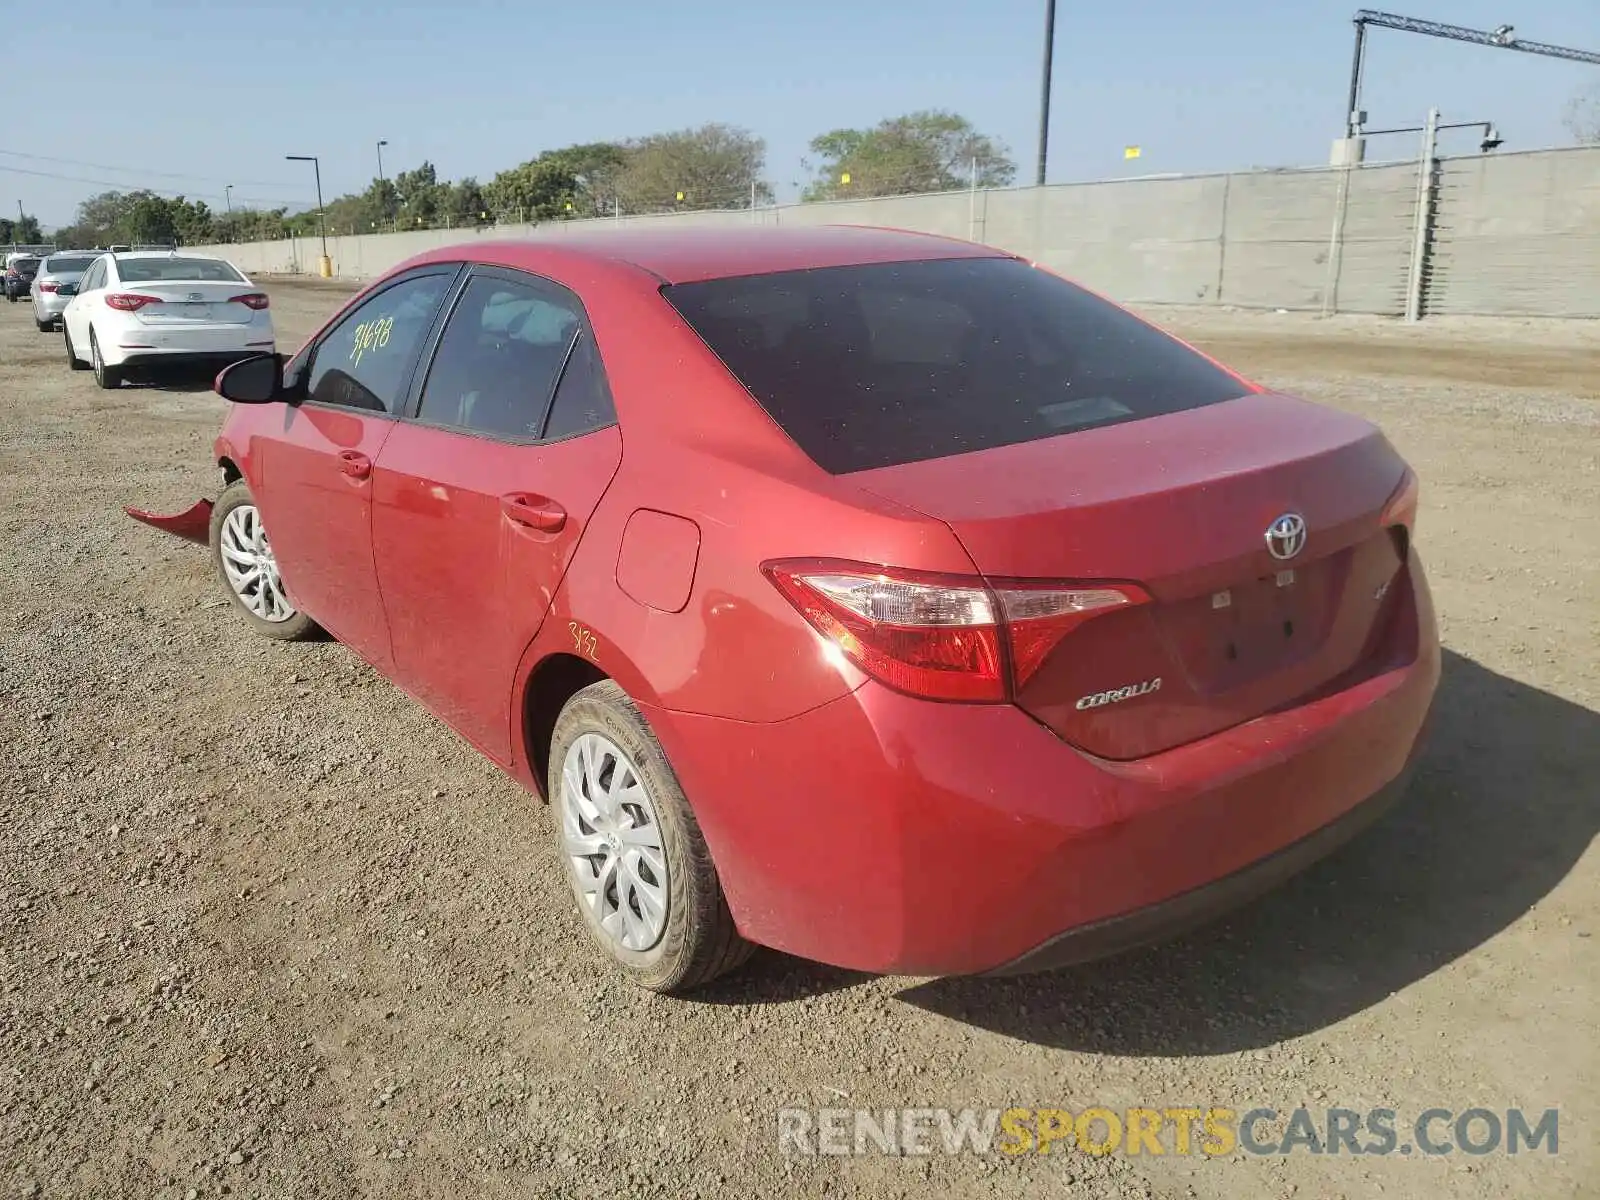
[[1502, 38]]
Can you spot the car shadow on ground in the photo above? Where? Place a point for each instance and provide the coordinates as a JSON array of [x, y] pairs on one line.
[[173, 379], [1503, 804]]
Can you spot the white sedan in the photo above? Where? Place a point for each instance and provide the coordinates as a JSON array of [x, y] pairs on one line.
[[143, 309]]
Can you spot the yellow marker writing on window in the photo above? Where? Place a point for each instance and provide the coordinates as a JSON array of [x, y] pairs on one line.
[[370, 335]]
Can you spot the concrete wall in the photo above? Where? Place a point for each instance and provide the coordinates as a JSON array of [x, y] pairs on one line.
[[1515, 233]]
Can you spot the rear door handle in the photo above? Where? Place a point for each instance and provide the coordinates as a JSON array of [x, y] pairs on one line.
[[533, 512], [355, 464]]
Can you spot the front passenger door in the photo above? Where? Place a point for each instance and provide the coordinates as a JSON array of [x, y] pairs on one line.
[[312, 464]]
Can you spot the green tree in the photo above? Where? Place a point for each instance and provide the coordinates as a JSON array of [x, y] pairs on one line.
[[928, 151], [712, 167], [421, 196], [149, 218], [27, 231], [465, 203], [576, 181]]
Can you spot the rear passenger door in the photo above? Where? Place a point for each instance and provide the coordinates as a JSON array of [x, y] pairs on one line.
[[481, 496]]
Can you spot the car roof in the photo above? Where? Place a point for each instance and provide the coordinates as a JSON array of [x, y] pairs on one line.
[[122, 255], [691, 255]]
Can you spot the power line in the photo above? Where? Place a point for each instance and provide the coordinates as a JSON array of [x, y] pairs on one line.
[[168, 192], [77, 162]]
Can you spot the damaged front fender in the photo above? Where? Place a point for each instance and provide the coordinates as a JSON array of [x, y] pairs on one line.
[[193, 524]]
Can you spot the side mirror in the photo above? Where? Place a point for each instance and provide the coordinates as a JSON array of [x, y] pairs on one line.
[[254, 380], [67, 289]]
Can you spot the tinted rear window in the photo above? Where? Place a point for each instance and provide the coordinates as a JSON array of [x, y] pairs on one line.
[[67, 265], [25, 264], [154, 270], [872, 366]]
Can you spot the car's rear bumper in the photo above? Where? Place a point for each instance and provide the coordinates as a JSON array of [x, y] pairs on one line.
[[1189, 910], [890, 834], [180, 357]]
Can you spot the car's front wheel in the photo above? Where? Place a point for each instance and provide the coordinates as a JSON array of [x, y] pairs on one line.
[[633, 852], [249, 569], [106, 375]]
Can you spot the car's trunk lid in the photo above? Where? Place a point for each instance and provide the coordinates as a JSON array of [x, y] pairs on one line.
[[1181, 505], [184, 302]]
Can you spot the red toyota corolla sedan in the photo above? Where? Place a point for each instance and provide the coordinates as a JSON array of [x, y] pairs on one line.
[[880, 598]]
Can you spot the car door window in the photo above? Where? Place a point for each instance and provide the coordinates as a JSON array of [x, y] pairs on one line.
[[583, 398], [502, 352], [92, 277], [365, 361]]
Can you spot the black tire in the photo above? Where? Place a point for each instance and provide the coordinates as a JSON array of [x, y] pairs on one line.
[[73, 361], [44, 326], [107, 376], [11, 296], [700, 941], [299, 627]]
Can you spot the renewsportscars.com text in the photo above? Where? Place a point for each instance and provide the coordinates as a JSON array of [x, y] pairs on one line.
[[1209, 1132]]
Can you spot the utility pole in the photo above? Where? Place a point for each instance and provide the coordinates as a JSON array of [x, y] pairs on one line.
[[1044, 87], [228, 196], [382, 142]]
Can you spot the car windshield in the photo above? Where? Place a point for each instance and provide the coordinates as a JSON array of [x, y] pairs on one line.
[[872, 366], [65, 265], [155, 270], [25, 264]]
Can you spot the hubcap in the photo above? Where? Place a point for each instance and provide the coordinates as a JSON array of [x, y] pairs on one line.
[[612, 839], [251, 569]]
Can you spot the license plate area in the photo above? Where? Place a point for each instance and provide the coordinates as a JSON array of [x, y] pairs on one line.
[[1232, 636]]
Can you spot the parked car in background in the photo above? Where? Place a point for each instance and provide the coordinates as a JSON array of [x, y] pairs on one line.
[[138, 310], [18, 279], [55, 270], [880, 598]]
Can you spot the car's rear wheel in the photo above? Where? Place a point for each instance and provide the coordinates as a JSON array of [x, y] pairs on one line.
[[44, 326], [105, 374], [73, 361], [638, 865], [249, 570]]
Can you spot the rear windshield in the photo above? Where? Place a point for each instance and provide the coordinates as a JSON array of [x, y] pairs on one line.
[[60, 263], [24, 264], [154, 270], [873, 366]]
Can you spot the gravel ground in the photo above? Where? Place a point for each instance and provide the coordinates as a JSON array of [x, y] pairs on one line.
[[268, 929]]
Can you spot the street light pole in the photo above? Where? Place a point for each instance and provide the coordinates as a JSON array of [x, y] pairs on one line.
[[1044, 87], [382, 142], [322, 226], [228, 196]]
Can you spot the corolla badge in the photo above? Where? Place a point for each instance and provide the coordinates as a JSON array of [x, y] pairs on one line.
[[1118, 695], [1286, 536]]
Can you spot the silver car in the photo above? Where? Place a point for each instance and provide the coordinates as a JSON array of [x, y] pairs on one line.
[[55, 270]]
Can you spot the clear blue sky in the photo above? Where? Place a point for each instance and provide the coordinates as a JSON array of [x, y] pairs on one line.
[[194, 94]]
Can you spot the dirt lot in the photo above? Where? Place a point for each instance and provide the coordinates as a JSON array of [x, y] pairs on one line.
[[267, 929]]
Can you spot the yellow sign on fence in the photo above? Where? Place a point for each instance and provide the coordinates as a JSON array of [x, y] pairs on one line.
[[1130, 152]]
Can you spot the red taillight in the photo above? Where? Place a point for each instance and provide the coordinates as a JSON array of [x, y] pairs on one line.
[[941, 637], [48, 287], [130, 301], [12, 272], [255, 300]]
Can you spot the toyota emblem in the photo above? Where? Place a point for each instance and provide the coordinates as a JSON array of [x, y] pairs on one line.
[[1286, 536]]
